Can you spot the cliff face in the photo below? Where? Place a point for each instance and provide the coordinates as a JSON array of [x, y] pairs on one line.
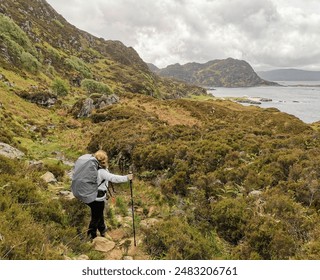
[[216, 73]]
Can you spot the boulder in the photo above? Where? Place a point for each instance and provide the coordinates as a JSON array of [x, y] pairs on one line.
[[255, 193], [9, 151], [86, 109], [102, 244], [117, 234], [40, 97], [106, 100], [49, 177], [67, 194], [115, 254], [35, 165]]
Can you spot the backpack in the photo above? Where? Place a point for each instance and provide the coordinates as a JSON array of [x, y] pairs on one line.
[[84, 184]]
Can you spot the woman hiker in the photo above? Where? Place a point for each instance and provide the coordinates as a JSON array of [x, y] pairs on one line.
[[97, 206]]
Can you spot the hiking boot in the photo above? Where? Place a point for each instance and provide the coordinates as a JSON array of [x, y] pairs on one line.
[[91, 235], [103, 232]]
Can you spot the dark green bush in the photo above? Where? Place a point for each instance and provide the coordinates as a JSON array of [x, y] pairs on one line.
[[59, 87], [230, 218], [48, 211], [77, 64], [30, 63], [13, 32], [8, 166], [174, 239], [92, 86], [19, 47], [76, 212], [268, 239], [22, 237], [24, 191]]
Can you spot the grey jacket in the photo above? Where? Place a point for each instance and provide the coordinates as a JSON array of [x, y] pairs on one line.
[[106, 176]]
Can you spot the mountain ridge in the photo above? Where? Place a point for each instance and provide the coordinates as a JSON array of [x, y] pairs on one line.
[[215, 73]]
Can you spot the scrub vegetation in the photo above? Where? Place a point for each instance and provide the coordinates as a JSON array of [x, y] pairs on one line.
[[218, 179]]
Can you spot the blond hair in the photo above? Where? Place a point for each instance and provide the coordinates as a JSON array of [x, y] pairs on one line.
[[102, 157]]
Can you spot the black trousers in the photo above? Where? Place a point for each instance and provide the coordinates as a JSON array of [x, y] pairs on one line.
[[97, 218]]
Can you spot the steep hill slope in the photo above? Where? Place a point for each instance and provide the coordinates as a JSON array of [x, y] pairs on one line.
[[216, 73], [40, 44]]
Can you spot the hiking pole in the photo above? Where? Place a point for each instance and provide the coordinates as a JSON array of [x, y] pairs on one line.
[[132, 209]]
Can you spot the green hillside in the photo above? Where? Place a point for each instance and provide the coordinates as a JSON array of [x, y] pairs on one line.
[[231, 182]]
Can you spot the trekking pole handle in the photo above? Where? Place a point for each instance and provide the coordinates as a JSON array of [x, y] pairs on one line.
[[130, 172]]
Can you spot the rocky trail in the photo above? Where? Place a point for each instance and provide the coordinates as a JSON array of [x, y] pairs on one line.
[[118, 243]]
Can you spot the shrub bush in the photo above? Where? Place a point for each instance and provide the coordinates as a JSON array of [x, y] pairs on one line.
[[75, 63], [268, 239], [19, 47], [12, 31], [174, 239], [60, 87], [8, 166], [230, 217], [92, 86], [30, 63]]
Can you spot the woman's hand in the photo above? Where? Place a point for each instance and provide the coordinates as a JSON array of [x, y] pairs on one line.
[[130, 176]]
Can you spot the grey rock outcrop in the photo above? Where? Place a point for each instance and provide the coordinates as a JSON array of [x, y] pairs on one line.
[[84, 108], [9, 151]]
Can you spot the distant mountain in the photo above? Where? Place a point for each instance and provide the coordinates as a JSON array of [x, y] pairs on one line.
[[216, 73], [290, 75], [152, 67]]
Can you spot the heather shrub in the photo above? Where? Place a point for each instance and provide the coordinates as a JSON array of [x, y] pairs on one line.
[[59, 87], [77, 64], [20, 49], [230, 218], [174, 239], [92, 86]]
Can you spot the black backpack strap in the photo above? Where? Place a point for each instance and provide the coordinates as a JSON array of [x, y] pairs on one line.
[[101, 183]]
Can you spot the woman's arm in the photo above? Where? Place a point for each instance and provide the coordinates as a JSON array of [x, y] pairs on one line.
[[106, 175]]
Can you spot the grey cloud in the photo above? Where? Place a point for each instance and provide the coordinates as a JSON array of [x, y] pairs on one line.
[[271, 33]]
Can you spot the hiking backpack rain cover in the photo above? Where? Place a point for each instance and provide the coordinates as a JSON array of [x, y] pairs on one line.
[[84, 179]]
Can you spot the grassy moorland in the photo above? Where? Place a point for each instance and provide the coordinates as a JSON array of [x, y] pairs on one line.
[[233, 182]]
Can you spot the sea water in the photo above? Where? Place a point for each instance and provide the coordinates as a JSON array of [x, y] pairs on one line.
[[301, 99]]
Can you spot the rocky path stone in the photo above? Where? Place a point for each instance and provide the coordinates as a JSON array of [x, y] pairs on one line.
[[116, 246]]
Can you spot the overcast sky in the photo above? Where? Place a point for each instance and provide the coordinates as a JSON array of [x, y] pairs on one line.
[[268, 34]]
